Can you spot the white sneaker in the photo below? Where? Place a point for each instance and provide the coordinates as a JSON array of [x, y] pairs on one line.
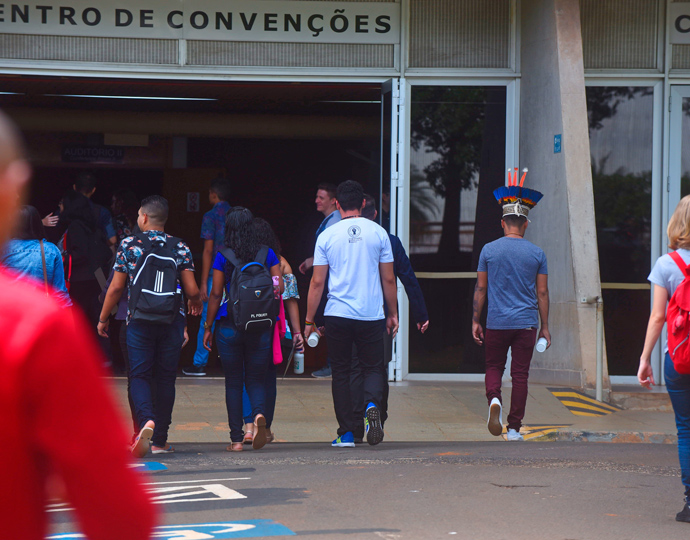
[[514, 435], [495, 421]]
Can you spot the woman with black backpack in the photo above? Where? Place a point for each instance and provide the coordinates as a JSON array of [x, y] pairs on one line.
[[249, 274]]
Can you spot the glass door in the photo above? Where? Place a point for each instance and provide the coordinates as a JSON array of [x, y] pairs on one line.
[[457, 157], [679, 164], [621, 135]]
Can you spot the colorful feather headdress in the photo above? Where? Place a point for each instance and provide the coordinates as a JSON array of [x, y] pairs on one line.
[[515, 199]]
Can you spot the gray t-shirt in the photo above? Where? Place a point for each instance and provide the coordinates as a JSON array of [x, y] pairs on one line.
[[666, 273], [512, 265]]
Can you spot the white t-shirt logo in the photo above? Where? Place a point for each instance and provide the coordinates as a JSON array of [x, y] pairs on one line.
[[355, 233]]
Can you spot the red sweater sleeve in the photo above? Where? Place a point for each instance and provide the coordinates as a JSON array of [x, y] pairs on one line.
[[76, 427]]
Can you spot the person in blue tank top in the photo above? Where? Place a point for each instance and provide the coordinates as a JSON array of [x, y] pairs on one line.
[[513, 273]]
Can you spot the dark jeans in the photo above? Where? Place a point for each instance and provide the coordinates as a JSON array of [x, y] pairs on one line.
[[122, 338], [85, 295], [270, 397], [154, 352], [678, 387], [342, 334], [521, 342], [245, 358], [357, 384]]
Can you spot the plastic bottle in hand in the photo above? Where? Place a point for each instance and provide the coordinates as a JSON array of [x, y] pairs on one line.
[[541, 344], [313, 339], [298, 359]]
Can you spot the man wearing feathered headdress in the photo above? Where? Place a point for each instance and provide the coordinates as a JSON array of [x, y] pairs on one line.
[[512, 271]]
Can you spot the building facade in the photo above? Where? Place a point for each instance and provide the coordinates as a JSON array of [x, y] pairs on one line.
[[427, 102]]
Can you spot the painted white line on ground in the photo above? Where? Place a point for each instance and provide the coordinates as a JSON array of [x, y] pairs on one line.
[[195, 481], [177, 494], [220, 491]]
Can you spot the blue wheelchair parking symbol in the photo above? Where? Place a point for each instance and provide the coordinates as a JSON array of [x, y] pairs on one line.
[[255, 528]]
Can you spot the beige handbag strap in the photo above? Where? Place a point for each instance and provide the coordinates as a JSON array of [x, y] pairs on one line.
[[45, 270]]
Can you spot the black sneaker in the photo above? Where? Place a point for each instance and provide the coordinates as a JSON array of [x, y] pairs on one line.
[[194, 371], [372, 425], [684, 514]]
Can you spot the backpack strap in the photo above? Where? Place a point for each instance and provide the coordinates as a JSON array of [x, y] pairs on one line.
[[144, 240], [135, 291], [262, 255], [229, 254], [679, 261]]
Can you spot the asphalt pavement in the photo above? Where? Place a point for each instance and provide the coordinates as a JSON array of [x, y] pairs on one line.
[[438, 473], [403, 490]]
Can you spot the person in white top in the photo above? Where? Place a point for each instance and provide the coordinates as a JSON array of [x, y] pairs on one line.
[[356, 255]]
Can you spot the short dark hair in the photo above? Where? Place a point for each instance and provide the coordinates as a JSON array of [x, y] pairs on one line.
[[350, 195], [369, 210], [156, 208], [328, 187], [221, 187], [29, 225], [85, 182], [514, 221]]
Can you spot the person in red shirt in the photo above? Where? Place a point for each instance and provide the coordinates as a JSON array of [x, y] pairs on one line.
[[59, 424]]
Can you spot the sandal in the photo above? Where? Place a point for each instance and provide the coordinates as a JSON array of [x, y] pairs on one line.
[[259, 432], [248, 435], [270, 437], [235, 447]]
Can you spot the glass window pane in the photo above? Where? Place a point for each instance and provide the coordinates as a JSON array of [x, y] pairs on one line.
[[685, 150], [457, 159], [620, 133]]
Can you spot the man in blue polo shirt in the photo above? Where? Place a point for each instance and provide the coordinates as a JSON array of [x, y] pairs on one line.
[[213, 234]]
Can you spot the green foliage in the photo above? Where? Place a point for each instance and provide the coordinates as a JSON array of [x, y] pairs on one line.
[[449, 121], [622, 201]]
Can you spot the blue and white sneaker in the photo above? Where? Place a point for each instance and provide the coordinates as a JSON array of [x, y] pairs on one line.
[[373, 427], [346, 440]]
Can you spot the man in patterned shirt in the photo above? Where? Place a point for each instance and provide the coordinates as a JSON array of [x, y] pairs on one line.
[[213, 234], [154, 349]]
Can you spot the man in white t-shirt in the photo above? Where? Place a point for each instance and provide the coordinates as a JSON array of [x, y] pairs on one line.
[[356, 255]]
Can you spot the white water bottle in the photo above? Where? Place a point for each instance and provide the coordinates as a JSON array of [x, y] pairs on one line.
[[313, 339], [298, 358], [541, 344]]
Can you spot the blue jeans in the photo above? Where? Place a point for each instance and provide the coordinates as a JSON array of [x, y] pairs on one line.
[[678, 387], [270, 403], [154, 352], [201, 354], [245, 358]]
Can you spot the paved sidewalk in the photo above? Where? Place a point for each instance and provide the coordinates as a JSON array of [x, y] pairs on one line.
[[419, 411]]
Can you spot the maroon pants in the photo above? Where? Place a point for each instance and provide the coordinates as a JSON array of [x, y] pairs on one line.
[[497, 343]]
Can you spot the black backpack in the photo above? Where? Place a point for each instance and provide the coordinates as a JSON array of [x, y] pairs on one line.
[[252, 305], [154, 293]]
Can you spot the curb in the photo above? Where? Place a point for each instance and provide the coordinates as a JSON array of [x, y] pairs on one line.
[[610, 437]]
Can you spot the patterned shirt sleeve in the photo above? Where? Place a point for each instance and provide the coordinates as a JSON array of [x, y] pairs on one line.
[[208, 231], [121, 257], [290, 287], [184, 257]]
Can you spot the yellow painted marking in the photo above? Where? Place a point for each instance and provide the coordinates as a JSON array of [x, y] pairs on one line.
[[575, 395], [587, 406], [580, 413]]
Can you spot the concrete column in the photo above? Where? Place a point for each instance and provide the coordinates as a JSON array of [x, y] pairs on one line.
[[553, 103]]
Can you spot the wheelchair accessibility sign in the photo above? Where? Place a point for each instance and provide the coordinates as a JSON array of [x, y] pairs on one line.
[[255, 528]]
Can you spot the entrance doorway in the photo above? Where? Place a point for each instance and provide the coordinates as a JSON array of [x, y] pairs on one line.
[[275, 142]]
